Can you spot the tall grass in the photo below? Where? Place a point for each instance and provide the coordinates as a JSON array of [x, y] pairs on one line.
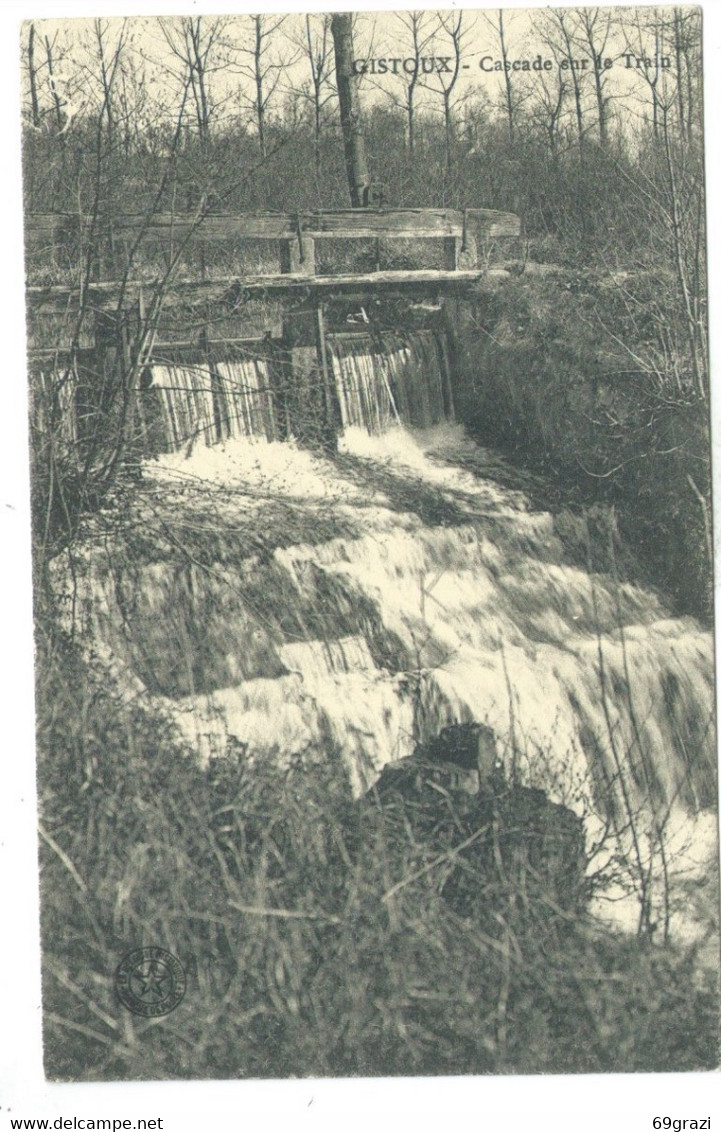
[[312, 941]]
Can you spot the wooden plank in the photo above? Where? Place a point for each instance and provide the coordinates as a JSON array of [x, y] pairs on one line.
[[419, 223], [371, 223], [249, 226], [497, 225], [233, 289], [337, 224]]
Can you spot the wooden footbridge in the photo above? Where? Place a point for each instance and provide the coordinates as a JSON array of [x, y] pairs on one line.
[[108, 259]]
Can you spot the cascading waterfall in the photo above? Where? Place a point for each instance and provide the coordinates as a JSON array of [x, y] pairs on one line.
[[395, 618], [380, 381], [399, 592], [186, 403], [379, 641], [245, 399], [213, 403], [391, 379]]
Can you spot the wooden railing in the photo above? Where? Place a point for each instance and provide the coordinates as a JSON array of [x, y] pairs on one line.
[[296, 235]]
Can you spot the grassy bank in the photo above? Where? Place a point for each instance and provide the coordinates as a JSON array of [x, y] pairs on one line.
[[563, 370], [272, 888]]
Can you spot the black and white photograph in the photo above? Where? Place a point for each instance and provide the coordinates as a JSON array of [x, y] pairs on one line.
[[368, 406]]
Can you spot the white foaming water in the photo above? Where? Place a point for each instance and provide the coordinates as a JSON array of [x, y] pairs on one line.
[[388, 380], [197, 402], [379, 380], [359, 645], [245, 406], [186, 400]]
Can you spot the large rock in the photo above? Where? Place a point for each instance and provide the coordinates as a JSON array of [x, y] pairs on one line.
[[495, 842]]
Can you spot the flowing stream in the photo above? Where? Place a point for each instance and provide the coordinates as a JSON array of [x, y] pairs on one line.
[[349, 608], [234, 398]]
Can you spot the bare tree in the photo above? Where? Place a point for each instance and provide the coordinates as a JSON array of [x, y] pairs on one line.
[[196, 42], [510, 96], [680, 39], [314, 43], [671, 73], [561, 37], [71, 475], [33, 78], [63, 107], [263, 65], [455, 27], [550, 96], [105, 61], [415, 37], [133, 103], [595, 26]]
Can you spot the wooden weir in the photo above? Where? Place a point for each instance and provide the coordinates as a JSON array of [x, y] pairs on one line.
[[106, 273]]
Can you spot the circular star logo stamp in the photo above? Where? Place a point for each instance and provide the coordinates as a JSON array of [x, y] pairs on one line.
[[150, 982]]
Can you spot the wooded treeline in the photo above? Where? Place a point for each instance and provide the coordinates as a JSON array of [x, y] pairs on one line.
[[242, 112]]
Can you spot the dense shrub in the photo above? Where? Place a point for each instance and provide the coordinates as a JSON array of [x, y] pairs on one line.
[[559, 369]]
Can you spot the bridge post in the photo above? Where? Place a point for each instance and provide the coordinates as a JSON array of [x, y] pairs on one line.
[[330, 423], [297, 254], [459, 253]]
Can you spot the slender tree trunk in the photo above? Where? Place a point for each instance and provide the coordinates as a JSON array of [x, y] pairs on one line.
[[577, 93], [316, 49], [690, 108], [200, 93], [597, 28], [316, 70], [507, 76], [317, 132], [687, 287], [601, 107], [579, 108], [57, 103], [448, 128], [412, 84], [410, 110], [259, 100], [35, 106], [105, 78], [654, 85], [455, 31], [353, 145], [679, 70]]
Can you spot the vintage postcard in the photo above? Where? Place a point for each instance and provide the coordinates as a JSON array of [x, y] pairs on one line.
[[368, 372]]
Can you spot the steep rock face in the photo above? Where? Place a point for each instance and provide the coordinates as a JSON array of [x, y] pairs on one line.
[[450, 807]]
